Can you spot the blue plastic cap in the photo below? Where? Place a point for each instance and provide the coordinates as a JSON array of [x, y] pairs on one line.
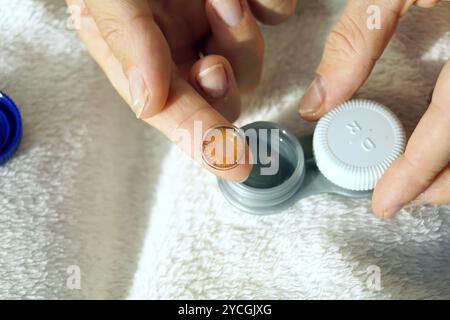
[[10, 128]]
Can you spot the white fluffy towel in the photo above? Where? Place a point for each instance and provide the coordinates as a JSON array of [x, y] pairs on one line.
[[98, 205]]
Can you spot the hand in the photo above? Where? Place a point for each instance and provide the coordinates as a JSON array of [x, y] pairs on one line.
[[149, 50], [422, 174]]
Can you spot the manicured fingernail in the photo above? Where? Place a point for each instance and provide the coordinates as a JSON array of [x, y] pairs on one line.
[[139, 92], [312, 100], [214, 81], [230, 11]]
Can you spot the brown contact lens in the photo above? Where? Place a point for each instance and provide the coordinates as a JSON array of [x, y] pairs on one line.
[[223, 147]]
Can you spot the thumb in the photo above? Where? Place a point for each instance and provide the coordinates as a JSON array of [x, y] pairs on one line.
[[137, 42], [352, 48]]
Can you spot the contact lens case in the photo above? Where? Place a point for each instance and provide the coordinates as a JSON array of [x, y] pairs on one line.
[[351, 148], [10, 128], [356, 143]]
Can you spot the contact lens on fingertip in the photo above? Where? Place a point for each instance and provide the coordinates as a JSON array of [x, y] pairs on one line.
[[10, 128], [278, 171], [356, 143], [223, 147]]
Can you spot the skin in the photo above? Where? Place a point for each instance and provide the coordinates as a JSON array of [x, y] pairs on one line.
[[422, 174], [161, 39], [154, 46]]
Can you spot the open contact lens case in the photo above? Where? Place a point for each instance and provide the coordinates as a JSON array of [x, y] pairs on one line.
[[352, 147]]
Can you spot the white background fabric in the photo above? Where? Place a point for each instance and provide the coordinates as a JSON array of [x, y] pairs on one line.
[[93, 187]]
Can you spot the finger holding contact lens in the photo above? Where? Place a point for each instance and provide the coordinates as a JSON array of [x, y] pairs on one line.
[[224, 147]]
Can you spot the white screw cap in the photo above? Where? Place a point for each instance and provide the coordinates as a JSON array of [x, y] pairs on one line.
[[355, 143]]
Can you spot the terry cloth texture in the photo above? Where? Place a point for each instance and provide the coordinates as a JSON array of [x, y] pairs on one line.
[[94, 189]]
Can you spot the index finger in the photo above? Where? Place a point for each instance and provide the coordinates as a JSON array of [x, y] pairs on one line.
[[353, 47], [186, 120], [183, 108]]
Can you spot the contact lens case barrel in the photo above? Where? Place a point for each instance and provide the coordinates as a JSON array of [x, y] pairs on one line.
[[269, 192], [352, 147]]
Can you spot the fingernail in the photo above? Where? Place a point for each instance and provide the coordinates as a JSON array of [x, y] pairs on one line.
[[214, 81], [139, 93], [248, 176], [416, 203], [391, 212], [312, 100], [230, 11]]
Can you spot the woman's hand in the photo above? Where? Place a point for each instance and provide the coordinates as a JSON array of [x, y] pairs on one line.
[[422, 174], [149, 50]]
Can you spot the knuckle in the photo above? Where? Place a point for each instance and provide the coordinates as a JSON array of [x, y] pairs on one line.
[[111, 29], [114, 28], [347, 38], [347, 41], [340, 45]]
